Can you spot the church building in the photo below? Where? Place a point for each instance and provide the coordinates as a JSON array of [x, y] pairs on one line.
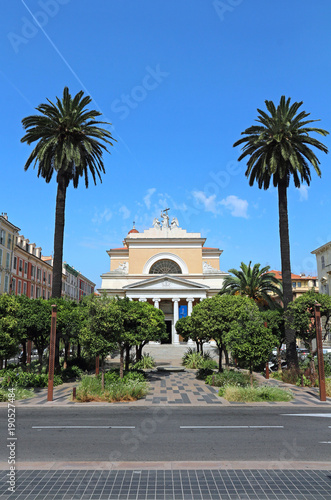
[[165, 266]]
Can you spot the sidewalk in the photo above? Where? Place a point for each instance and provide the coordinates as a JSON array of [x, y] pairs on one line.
[[179, 387]]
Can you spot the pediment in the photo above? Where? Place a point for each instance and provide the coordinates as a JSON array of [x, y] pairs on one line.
[[166, 282]]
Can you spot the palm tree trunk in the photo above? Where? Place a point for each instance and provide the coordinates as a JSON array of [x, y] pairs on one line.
[[291, 353], [58, 249]]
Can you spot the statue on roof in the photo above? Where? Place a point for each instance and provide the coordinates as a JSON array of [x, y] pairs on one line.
[[165, 217], [174, 222]]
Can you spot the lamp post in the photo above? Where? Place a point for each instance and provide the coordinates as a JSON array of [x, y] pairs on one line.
[[52, 354], [321, 375]]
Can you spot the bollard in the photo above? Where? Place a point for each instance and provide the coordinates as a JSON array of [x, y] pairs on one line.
[[74, 393]]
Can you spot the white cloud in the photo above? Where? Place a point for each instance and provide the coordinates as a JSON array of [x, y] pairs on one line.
[[303, 190], [209, 202], [100, 217], [125, 212], [237, 207], [147, 198]]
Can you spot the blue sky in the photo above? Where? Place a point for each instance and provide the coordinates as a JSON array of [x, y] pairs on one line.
[[179, 80]]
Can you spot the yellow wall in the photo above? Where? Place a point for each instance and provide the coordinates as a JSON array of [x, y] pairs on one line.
[[191, 256]]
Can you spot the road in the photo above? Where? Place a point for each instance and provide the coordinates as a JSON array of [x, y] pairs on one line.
[[93, 433]]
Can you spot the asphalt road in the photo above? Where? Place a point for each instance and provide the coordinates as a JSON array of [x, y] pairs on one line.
[[168, 434]]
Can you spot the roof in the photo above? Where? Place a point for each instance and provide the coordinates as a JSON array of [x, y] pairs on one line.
[[133, 230], [278, 275], [122, 248]]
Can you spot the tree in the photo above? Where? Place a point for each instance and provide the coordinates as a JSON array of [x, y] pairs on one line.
[[300, 316], [275, 321], [9, 341], [253, 282], [278, 149], [185, 328], [250, 341], [70, 145], [103, 329], [35, 320], [68, 323], [213, 318]]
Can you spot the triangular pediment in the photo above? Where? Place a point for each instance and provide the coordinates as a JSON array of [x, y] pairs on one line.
[[166, 282]]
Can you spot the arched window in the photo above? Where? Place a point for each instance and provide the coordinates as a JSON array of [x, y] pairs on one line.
[[165, 266]]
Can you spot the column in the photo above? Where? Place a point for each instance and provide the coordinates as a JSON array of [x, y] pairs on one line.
[[175, 336], [189, 312], [156, 303], [190, 306], [142, 299]]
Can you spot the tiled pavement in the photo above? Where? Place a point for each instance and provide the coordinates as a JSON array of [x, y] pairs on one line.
[[179, 388], [169, 485]]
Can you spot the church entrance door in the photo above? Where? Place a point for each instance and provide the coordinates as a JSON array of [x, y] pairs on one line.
[[168, 328]]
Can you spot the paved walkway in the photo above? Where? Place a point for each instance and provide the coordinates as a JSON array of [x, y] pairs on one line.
[[178, 388], [203, 484]]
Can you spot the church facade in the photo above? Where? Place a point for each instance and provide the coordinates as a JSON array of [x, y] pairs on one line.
[[165, 266]]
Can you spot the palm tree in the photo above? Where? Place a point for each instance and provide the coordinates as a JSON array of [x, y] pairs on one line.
[[69, 145], [253, 282], [278, 148]]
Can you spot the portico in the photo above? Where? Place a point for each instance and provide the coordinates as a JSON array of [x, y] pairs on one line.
[[167, 267]]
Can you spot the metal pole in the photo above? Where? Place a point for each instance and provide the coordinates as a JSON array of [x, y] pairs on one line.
[[52, 355], [320, 359]]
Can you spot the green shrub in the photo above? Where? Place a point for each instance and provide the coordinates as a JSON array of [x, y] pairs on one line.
[[147, 362], [125, 389], [228, 377], [71, 372], [29, 379], [196, 360], [254, 394], [20, 393], [328, 387]]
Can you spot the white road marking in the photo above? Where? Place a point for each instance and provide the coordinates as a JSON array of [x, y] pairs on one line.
[[325, 442], [83, 427], [326, 415], [231, 427]]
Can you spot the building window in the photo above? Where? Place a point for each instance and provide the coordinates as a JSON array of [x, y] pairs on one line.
[[0, 256], [31, 293], [7, 260], [6, 288], [38, 274], [48, 295], [299, 284], [9, 240], [2, 237], [33, 271], [37, 293], [15, 263], [24, 288], [165, 266], [44, 277], [294, 284], [49, 278], [20, 266], [323, 261], [13, 285], [19, 287], [25, 268]]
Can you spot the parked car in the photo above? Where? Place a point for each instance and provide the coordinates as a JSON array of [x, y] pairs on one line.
[[302, 353]]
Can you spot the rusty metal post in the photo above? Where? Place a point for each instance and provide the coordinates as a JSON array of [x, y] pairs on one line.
[[267, 371], [52, 355], [74, 393], [320, 359], [97, 364]]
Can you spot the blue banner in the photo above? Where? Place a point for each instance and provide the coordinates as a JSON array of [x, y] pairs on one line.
[[182, 311]]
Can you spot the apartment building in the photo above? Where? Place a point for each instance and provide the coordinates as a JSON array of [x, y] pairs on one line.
[[8, 232], [300, 283]]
